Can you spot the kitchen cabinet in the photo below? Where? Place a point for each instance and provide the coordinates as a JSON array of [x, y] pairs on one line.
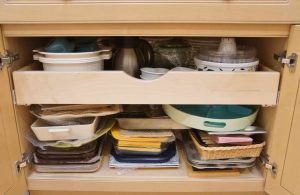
[[149, 11], [23, 84]]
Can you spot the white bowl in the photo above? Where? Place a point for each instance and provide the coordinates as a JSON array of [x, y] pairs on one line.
[[152, 73], [182, 69]]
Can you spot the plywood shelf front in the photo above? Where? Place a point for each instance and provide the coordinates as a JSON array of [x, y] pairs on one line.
[[142, 180], [116, 87]]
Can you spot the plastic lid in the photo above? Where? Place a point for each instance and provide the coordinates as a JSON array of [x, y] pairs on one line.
[[228, 52]]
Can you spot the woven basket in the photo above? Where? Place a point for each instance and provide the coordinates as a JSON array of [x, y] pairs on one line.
[[211, 153]]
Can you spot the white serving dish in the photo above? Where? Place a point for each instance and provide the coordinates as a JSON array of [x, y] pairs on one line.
[[216, 66], [198, 122], [80, 64], [152, 73], [45, 132], [41, 52], [80, 61]]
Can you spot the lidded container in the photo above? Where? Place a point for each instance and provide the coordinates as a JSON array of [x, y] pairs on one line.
[[228, 56], [66, 54]]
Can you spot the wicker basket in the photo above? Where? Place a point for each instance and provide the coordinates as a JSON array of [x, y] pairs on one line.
[[211, 153]]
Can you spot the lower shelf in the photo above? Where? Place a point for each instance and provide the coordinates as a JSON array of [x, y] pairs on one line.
[[143, 180]]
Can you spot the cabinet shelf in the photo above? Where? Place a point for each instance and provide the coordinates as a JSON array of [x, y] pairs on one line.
[[145, 180], [116, 87]]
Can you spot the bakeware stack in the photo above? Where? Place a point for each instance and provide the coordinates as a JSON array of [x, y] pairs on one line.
[[203, 153], [86, 158], [198, 161], [69, 138], [143, 149]]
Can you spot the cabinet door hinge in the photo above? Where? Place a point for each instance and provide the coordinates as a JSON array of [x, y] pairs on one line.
[[272, 167], [20, 164], [289, 61], [7, 58]]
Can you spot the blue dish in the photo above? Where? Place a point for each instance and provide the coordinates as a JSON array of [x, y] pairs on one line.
[[161, 158]]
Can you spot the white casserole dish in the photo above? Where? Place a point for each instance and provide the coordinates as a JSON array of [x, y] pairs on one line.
[[79, 61], [46, 132]]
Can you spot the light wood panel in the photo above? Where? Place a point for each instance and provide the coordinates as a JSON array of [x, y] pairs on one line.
[[6, 178], [147, 11], [144, 193], [116, 87], [151, 29], [10, 133], [145, 180], [149, 1], [284, 115], [291, 171]]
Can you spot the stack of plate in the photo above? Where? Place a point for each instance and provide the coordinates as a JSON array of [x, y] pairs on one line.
[[143, 149]]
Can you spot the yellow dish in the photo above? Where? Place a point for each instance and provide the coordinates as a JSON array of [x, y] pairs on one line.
[[115, 132]]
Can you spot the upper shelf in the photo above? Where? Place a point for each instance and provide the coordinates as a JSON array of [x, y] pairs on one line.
[[116, 87], [150, 11]]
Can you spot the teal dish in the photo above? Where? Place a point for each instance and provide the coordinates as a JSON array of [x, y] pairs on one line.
[[218, 111], [213, 117], [60, 45]]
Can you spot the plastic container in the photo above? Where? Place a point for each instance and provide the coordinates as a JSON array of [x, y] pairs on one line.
[[228, 56], [46, 132]]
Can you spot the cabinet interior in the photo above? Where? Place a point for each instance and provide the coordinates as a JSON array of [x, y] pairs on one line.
[[108, 179]]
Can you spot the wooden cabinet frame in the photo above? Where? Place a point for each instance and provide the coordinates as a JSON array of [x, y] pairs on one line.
[[149, 11], [282, 117]]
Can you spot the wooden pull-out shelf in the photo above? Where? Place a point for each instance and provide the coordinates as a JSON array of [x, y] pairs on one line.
[[116, 87], [142, 180]]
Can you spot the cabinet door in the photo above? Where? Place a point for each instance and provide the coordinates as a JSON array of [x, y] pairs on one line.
[[11, 182], [150, 11], [286, 137], [291, 172], [6, 180]]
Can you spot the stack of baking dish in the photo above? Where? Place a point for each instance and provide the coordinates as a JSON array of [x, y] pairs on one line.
[[69, 138], [143, 149]]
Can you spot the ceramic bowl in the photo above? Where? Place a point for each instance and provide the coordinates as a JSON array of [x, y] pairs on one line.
[[152, 73]]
